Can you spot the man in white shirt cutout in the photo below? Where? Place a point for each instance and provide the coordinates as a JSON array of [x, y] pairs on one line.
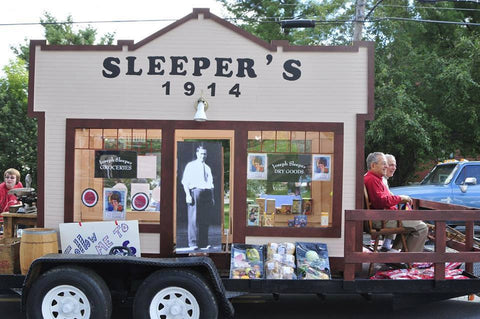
[[197, 183]]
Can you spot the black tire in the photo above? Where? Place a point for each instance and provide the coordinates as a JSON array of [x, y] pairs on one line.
[[174, 283], [51, 287]]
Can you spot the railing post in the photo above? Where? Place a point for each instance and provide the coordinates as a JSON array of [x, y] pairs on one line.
[[349, 247], [469, 233], [440, 244]]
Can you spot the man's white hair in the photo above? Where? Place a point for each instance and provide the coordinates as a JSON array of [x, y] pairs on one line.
[[390, 157]]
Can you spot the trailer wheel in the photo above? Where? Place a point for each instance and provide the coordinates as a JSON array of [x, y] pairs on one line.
[[69, 292], [171, 294]]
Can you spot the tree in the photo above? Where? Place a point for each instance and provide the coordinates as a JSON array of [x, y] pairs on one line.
[[18, 140], [63, 33]]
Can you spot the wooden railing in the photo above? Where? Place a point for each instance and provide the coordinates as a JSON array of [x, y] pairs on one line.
[[354, 228]]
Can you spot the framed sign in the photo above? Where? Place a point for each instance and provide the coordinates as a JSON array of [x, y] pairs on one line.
[[288, 167], [115, 164]]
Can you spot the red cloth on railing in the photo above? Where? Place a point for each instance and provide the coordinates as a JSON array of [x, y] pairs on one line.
[[421, 271]]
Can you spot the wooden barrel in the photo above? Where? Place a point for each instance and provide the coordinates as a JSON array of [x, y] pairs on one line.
[[35, 243]]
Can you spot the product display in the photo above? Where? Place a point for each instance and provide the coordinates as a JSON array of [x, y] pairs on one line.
[[307, 206], [312, 261], [246, 262], [280, 262], [297, 206], [300, 221], [253, 215], [286, 209], [261, 204], [270, 206]]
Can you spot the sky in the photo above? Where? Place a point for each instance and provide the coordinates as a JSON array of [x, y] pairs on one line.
[[31, 11]]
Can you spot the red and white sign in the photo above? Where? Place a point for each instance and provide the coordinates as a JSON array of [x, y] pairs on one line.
[[140, 201], [89, 197]]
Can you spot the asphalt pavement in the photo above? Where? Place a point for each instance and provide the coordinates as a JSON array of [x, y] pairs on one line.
[[308, 307]]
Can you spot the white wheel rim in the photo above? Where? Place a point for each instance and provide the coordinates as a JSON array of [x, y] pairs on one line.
[[174, 303], [65, 302]]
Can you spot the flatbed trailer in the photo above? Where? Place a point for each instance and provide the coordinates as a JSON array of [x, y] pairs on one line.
[[201, 283]]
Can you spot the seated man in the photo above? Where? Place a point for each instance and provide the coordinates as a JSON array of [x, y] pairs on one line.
[[381, 198]]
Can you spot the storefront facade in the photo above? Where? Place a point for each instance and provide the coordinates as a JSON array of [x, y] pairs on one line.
[[289, 119]]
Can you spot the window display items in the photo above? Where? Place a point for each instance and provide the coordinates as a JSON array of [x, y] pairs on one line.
[[297, 206], [321, 167], [114, 201], [280, 262], [307, 206], [140, 201], [89, 197], [257, 166], [324, 218], [312, 261], [261, 204], [300, 221], [286, 209], [246, 262], [270, 206], [267, 220], [253, 215]]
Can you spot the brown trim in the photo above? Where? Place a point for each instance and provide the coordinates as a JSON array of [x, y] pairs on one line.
[[360, 133], [40, 116], [167, 193], [239, 202], [149, 228]]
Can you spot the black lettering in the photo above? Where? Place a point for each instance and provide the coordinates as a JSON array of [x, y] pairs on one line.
[[199, 65], [246, 65], [109, 65], [295, 72], [131, 66], [155, 66], [222, 66], [177, 65]]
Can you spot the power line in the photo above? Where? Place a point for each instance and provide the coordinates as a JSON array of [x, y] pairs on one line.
[[265, 20], [425, 21], [434, 8], [83, 22]]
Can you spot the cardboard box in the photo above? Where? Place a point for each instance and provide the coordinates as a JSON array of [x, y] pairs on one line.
[[10, 256]]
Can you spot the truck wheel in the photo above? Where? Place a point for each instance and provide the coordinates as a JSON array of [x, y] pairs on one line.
[[171, 294], [69, 292]]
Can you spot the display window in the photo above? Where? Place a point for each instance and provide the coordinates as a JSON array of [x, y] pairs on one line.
[[117, 174], [290, 178]]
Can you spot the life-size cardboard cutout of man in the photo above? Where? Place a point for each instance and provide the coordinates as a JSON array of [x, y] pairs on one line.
[[201, 199]]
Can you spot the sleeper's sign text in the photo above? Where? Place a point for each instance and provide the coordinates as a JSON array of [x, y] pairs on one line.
[[223, 67]]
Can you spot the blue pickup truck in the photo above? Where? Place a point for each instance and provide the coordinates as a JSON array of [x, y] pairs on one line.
[[452, 182]]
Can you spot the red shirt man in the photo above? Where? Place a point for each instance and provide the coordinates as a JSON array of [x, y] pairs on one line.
[[379, 195], [381, 198]]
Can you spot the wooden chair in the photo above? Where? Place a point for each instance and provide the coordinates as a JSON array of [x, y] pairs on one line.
[[377, 233]]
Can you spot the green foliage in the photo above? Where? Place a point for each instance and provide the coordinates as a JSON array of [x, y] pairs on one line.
[[63, 33], [18, 138], [426, 74], [19, 132]]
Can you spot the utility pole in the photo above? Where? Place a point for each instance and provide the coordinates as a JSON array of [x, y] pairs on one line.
[[359, 19]]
